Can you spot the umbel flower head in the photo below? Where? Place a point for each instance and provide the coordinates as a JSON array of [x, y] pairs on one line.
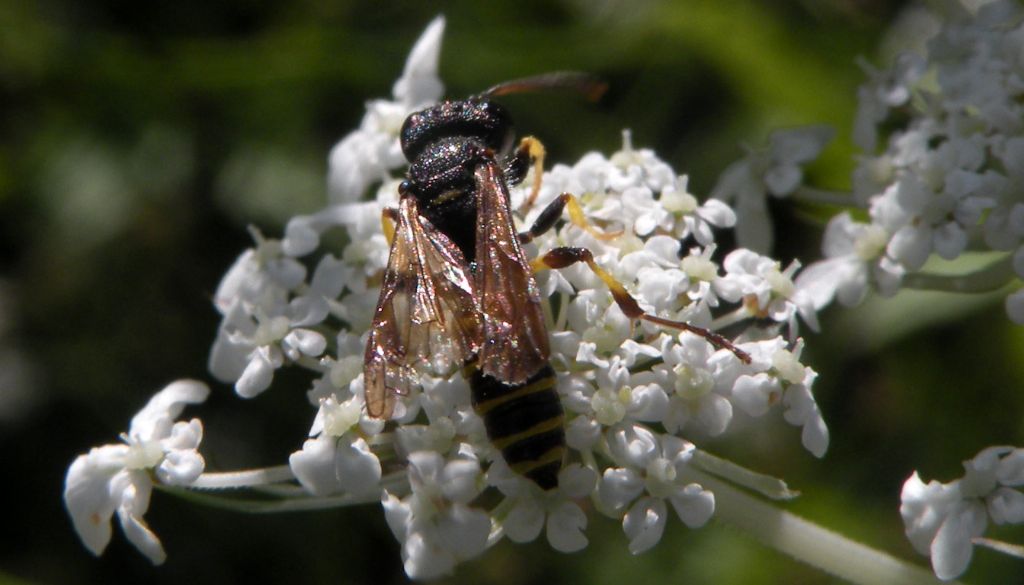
[[119, 478], [945, 520], [943, 139], [636, 395]]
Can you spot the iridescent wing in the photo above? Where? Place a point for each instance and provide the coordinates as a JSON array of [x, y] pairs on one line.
[[428, 311], [515, 340]]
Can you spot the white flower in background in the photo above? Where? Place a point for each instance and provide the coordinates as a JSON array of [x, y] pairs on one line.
[[372, 152], [942, 520], [885, 90], [947, 178], [119, 478], [777, 171], [854, 259]]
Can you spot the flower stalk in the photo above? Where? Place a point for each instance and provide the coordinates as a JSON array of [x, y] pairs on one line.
[[806, 541]]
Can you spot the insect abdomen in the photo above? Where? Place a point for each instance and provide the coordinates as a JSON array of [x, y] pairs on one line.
[[525, 422]]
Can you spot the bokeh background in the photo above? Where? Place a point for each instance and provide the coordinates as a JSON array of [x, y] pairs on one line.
[[138, 140]]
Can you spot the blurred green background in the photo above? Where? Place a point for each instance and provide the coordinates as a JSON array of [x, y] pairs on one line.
[[138, 140]]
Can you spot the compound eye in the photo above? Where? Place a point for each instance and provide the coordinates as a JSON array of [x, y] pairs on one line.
[[405, 187]]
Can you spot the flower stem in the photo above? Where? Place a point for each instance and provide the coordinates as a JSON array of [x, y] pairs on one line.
[[731, 318], [243, 479], [808, 542], [988, 279], [270, 506]]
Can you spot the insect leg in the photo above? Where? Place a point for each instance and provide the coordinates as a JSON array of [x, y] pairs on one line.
[[553, 212], [566, 256], [388, 219], [530, 153]]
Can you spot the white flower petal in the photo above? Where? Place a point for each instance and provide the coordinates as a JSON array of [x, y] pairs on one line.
[[717, 213], [134, 490], [783, 179], [1015, 307], [304, 341], [752, 393], [1010, 471], [425, 559], [87, 496], [300, 238], [617, 488], [714, 414], [565, 526], [460, 480], [524, 521], [644, 524], [398, 515], [167, 404], [582, 433], [357, 467], [1006, 506], [632, 445], [576, 481], [952, 548], [463, 531], [419, 83], [140, 535], [258, 374], [180, 467], [314, 466], [694, 505], [924, 507]]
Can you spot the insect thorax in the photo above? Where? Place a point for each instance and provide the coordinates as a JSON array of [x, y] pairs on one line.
[[444, 145], [480, 118]]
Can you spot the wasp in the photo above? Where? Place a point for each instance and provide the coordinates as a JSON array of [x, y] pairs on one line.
[[458, 286]]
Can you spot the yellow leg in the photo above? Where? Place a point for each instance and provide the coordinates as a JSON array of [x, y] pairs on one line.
[[534, 150], [388, 219], [553, 212]]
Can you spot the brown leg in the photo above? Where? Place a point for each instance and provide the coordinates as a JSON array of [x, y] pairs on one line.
[[562, 257]]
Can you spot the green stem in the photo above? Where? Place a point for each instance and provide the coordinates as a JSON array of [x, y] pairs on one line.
[[808, 542], [765, 485], [823, 197], [275, 498], [988, 279], [270, 506]]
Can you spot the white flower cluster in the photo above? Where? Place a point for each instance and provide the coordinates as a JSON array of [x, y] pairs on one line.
[[776, 170], [944, 520], [119, 478], [949, 178], [634, 393]]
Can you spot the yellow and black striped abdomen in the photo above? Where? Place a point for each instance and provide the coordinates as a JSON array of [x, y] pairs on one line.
[[524, 421]]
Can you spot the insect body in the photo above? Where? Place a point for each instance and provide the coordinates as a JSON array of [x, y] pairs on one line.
[[458, 284], [459, 287]]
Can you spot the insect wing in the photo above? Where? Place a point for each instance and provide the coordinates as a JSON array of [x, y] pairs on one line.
[[428, 310], [515, 339]]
